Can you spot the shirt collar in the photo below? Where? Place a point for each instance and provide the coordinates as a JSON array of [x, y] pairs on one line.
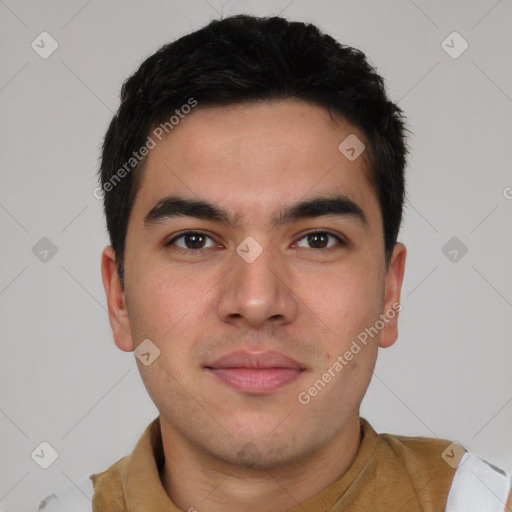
[[143, 488]]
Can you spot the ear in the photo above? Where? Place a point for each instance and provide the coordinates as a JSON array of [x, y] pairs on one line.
[[393, 287], [117, 312]]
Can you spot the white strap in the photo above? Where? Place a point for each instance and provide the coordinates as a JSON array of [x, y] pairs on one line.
[[478, 486]]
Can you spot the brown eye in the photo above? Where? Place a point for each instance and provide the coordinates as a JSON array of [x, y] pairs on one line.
[[191, 240], [320, 240]]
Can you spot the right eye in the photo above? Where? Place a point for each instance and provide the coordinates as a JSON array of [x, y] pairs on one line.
[[190, 241]]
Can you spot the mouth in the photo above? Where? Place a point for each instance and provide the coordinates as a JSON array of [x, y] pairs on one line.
[[255, 373]]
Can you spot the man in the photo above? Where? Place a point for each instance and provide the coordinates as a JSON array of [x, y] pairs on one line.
[[253, 184]]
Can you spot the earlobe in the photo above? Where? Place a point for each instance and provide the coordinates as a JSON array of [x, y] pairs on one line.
[[393, 287], [117, 312]]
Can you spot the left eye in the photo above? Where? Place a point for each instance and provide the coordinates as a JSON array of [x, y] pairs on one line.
[[320, 239]]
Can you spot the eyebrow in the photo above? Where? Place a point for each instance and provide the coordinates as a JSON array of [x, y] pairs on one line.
[[176, 206]]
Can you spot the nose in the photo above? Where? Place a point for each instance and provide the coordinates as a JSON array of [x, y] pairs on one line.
[[257, 293]]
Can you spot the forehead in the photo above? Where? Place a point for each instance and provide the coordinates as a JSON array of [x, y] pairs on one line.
[[254, 158]]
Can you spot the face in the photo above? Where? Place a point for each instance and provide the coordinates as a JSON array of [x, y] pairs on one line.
[[303, 282]]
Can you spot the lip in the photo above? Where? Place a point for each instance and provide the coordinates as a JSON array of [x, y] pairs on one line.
[[259, 373], [262, 360]]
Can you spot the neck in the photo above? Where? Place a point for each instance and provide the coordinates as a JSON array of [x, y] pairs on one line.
[[195, 481]]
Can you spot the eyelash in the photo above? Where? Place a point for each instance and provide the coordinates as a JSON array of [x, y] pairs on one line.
[[341, 242]]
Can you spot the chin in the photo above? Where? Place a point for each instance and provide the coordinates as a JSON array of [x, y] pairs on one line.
[[261, 454]]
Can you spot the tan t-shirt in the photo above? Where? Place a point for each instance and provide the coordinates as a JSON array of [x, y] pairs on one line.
[[390, 473]]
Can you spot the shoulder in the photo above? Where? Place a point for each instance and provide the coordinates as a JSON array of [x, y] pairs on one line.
[[413, 468], [478, 485], [72, 498], [474, 484], [108, 486], [420, 452]]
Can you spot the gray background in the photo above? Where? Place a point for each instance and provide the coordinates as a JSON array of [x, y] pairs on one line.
[[62, 378]]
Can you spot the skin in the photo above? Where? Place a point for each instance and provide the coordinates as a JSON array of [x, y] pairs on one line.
[[224, 449]]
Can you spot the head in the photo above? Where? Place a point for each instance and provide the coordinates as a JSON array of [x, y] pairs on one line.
[[245, 132]]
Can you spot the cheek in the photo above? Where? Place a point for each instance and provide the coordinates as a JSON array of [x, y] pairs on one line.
[[154, 308], [347, 301], [162, 312]]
